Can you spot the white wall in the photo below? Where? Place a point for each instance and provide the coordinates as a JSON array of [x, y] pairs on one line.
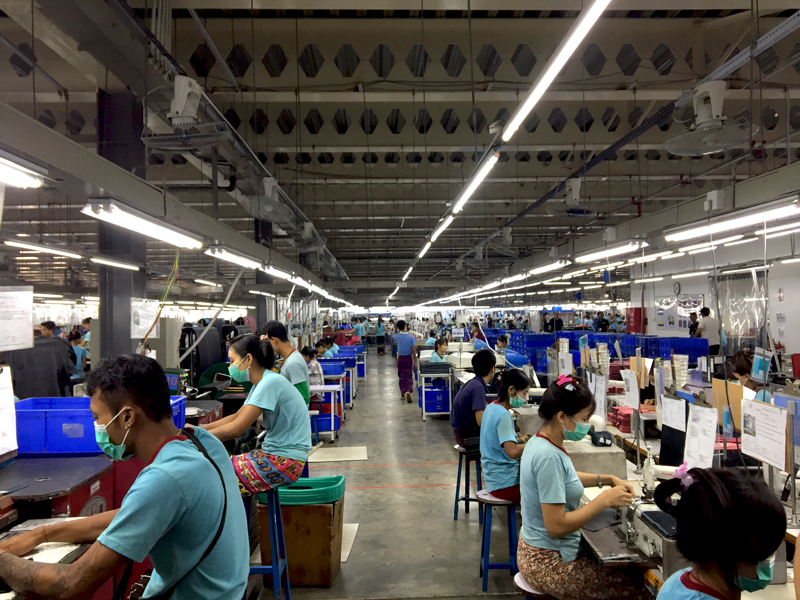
[[785, 279]]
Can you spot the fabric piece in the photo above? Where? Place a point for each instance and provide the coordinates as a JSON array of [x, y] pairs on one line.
[[469, 439], [580, 579], [405, 343], [469, 398], [547, 476], [497, 428], [681, 586], [258, 471], [510, 493], [285, 417], [435, 358], [169, 518], [405, 372]]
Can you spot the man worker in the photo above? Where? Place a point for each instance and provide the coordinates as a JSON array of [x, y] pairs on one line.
[[602, 324], [470, 402], [195, 535], [556, 323], [709, 329], [66, 359], [87, 337], [294, 366], [693, 324]]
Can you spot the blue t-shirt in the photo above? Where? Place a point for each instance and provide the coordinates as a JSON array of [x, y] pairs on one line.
[[379, 329], [335, 348], [88, 338], [497, 428], [435, 358], [295, 368], [360, 330], [469, 398], [80, 352], [285, 417], [169, 516], [405, 343], [680, 586], [547, 476], [328, 353], [430, 341]]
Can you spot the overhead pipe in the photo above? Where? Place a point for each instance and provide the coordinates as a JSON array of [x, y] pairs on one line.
[[213, 47]]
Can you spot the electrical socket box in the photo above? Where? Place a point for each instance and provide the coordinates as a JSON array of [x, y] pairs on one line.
[[716, 200]]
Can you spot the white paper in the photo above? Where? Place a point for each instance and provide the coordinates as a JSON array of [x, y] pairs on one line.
[[8, 417], [16, 315], [748, 394], [599, 389], [565, 363], [143, 314], [631, 388], [764, 432], [701, 435], [648, 363], [674, 412]]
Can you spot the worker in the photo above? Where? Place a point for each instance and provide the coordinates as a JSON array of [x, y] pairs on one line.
[[431, 338], [279, 406], [294, 366], [693, 324], [66, 359], [555, 323], [470, 401], [602, 325], [741, 369], [406, 360], [74, 338], [440, 350], [709, 330], [359, 328], [380, 337], [322, 348], [551, 490], [476, 333], [87, 337], [165, 516], [501, 448], [333, 345], [315, 374], [502, 343], [726, 560]]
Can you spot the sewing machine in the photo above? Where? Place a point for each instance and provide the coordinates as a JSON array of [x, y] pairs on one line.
[[653, 532]]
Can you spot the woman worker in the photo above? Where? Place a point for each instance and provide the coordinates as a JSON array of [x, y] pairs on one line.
[[726, 560], [440, 350], [406, 360], [741, 367], [431, 338], [476, 333], [551, 489], [380, 336], [501, 449], [282, 411]]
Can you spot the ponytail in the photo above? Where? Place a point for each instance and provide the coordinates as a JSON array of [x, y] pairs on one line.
[[569, 395], [260, 350]]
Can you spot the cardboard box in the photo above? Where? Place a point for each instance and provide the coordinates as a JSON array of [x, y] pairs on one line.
[[313, 536]]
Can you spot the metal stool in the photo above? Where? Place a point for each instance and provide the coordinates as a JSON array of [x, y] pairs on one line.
[[472, 456], [279, 569], [530, 593], [487, 503]]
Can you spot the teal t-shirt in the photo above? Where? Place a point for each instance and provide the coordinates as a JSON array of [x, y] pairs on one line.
[[680, 587], [285, 416], [80, 352], [497, 428], [360, 330], [435, 358], [295, 368], [379, 329], [547, 476], [335, 348], [430, 341], [88, 338], [327, 354], [171, 514]]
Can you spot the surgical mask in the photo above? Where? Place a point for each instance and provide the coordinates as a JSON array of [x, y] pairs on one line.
[[581, 429], [106, 445], [764, 570], [237, 375], [517, 401]]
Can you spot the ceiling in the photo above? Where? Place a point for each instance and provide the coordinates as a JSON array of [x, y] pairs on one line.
[[372, 118]]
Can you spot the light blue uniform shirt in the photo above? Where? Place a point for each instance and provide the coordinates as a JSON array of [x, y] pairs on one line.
[[88, 338], [171, 517], [335, 348], [547, 476], [761, 395], [405, 343], [430, 341], [360, 329], [435, 358], [285, 417], [295, 368], [379, 329], [80, 352], [675, 588], [328, 353], [497, 428]]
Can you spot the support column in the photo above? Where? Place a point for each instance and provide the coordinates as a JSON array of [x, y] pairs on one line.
[[265, 307], [119, 124]]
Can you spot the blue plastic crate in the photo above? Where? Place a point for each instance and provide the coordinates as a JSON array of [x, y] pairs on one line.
[[178, 404], [324, 422], [331, 366], [693, 347], [435, 399], [362, 369]]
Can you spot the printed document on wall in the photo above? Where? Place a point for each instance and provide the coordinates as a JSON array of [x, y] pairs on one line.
[[701, 434], [674, 412], [764, 432], [16, 315], [8, 418], [565, 363], [598, 387]]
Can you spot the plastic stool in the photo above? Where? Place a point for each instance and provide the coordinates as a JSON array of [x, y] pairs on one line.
[[530, 593], [488, 502], [312, 414], [466, 498], [279, 569]]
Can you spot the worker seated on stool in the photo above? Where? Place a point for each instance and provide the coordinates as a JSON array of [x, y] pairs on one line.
[[730, 525], [165, 516], [551, 490], [501, 449], [279, 406], [470, 401], [323, 349], [741, 368], [440, 352]]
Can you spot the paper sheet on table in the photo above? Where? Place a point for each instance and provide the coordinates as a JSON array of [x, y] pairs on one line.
[[764, 432], [674, 412], [598, 387], [701, 435], [8, 418], [748, 394], [631, 388], [565, 363]]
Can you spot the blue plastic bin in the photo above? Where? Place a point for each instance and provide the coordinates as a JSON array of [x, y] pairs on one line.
[[324, 422], [362, 370], [435, 400]]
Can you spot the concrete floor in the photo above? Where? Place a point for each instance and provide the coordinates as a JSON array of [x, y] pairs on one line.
[[408, 545]]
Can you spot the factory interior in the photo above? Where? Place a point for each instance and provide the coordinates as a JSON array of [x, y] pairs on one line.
[[394, 300]]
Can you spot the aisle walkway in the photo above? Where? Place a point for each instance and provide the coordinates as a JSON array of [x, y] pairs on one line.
[[408, 545]]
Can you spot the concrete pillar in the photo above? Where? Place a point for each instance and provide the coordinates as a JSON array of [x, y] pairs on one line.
[[119, 120], [265, 307]]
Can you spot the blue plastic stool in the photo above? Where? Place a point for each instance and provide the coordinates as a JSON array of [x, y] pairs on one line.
[[487, 503], [279, 569], [466, 498], [312, 414]]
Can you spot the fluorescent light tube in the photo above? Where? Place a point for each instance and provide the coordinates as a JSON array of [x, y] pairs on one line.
[[444, 225], [34, 258], [675, 255], [474, 182], [514, 278], [130, 219], [701, 250], [733, 238], [270, 270], [788, 261], [784, 212], [573, 289], [778, 228], [46, 249], [648, 280], [394, 292], [205, 282], [236, 259], [609, 266], [405, 277], [556, 281], [425, 249], [551, 267], [18, 176], [747, 270], [649, 257], [781, 234], [684, 275], [744, 241], [592, 287], [113, 263], [616, 283], [96, 298], [48, 295], [601, 254], [577, 273]]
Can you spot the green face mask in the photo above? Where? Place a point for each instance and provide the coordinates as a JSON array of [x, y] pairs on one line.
[[581, 429], [517, 401], [764, 570], [237, 375], [106, 445]]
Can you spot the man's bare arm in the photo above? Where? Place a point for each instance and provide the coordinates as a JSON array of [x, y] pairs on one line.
[[79, 531]]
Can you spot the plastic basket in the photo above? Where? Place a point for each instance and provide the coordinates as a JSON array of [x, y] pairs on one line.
[[324, 423], [314, 490]]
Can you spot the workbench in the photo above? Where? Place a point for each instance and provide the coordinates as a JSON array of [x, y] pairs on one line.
[[422, 377], [335, 390]]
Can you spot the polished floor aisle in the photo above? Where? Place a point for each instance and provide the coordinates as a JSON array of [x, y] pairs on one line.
[[408, 545]]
